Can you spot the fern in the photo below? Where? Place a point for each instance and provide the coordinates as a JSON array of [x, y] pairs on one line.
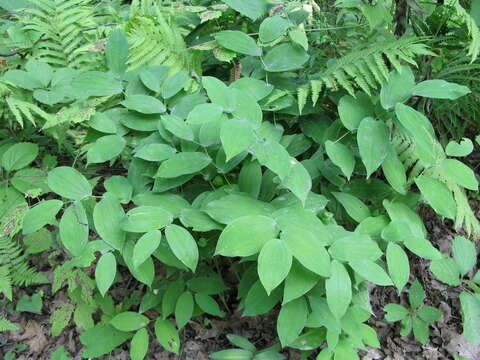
[[22, 110], [60, 22], [366, 67], [6, 325], [473, 30]]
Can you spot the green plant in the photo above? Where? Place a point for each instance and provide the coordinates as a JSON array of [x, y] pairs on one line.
[[246, 350], [417, 317]]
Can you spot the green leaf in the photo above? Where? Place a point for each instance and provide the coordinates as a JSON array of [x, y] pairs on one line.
[[107, 216], [232, 354], [274, 156], [60, 354], [373, 143], [446, 270], [145, 247], [96, 83], [48, 97], [69, 183], [298, 180], [299, 37], [208, 304], [440, 89], [144, 104], [422, 248], [352, 110], [105, 272], [236, 136], [470, 304], [371, 271], [272, 28], [398, 266], [298, 282], [146, 218], [394, 171], [232, 207], [31, 304], [120, 187], [182, 164], [252, 9], [395, 312], [155, 152], [40, 215], [416, 294], [37, 241], [464, 148], [250, 178], [177, 127], [102, 339], [274, 255], [246, 236], [139, 345], [354, 207], [459, 173], [129, 321], [169, 300], [429, 314], [308, 249], [398, 88], [464, 253], [285, 57], [239, 42], [258, 89], [183, 245], [184, 309], [420, 330], [19, 156], [116, 52], [438, 195], [355, 247], [106, 148], [341, 156], [174, 84], [23, 79], [257, 301], [291, 320], [74, 229], [219, 94], [167, 335], [211, 285], [338, 289]]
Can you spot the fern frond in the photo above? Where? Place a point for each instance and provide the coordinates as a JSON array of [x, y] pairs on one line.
[[26, 110], [6, 325], [472, 27]]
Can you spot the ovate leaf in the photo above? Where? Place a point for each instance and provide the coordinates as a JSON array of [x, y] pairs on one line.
[[352, 110], [19, 155], [463, 148], [274, 255], [144, 104], [167, 335], [68, 182], [129, 321], [105, 149], [373, 143], [116, 52], [236, 136], [107, 216], [146, 218], [291, 320], [272, 28], [440, 89], [74, 228], [183, 245], [101, 340], [253, 9], [285, 57], [460, 173], [145, 247], [40, 215], [446, 270], [470, 304], [438, 195], [182, 164], [354, 207], [105, 272], [184, 309], [398, 265], [339, 290], [139, 344], [341, 156], [239, 42], [464, 253]]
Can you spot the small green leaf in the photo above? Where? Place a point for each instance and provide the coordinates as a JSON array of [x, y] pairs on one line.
[[298, 282], [155, 152], [144, 104], [416, 294], [236, 136], [129, 321], [274, 255], [438, 195], [174, 84], [470, 304], [40, 215], [395, 312], [208, 304], [239, 42], [285, 57], [96, 83], [464, 148], [464, 253], [398, 266], [68, 182], [107, 216], [420, 330], [219, 94], [373, 143], [232, 354], [182, 164], [341, 156], [183, 245], [184, 309], [355, 247], [253, 9], [106, 148], [291, 320], [440, 89], [371, 271], [429, 314], [73, 228], [446, 270], [139, 345], [338, 289], [460, 173], [102, 339], [116, 52], [299, 37], [120, 187], [352, 110], [146, 218], [357, 210], [167, 335], [105, 272], [398, 88], [272, 28], [145, 247], [19, 156], [177, 127]]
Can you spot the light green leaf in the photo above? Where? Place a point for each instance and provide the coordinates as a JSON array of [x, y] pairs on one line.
[[167, 335], [40, 215], [96, 83], [208, 304], [183, 245], [354, 207], [394, 171], [253, 9], [274, 156], [144, 104], [464, 148], [182, 164], [139, 344], [464, 253], [107, 216], [155, 152], [232, 354], [145, 247], [236, 136], [258, 89], [299, 37], [398, 266], [272, 28], [422, 248], [460, 173], [177, 127], [73, 228], [298, 180], [338, 289], [146, 218], [446, 270], [285, 57], [120, 187], [470, 304], [274, 263], [420, 330], [116, 52], [438, 195], [371, 271], [184, 309], [246, 236], [416, 294], [250, 178], [395, 312], [19, 155], [440, 89], [219, 94], [69, 183], [169, 299], [105, 272], [341, 156], [37, 241], [355, 247], [174, 84], [239, 42], [298, 282], [373, 143], [398, 88], [291, 320], [129, 321], [232, 207], [102, 339], [429, 314], [105, 149], [352, 110]]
